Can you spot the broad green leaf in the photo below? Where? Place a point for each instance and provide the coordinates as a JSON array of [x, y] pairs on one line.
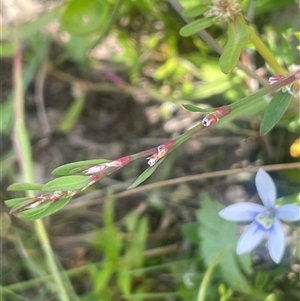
[[45, 210], [145, 175], [193, 108], [84, 17], [24, 186], [196, 26], [216, 235], [70, 168], [17, 201], [274, 111], [238, 35], [195, 11], [67, 183]]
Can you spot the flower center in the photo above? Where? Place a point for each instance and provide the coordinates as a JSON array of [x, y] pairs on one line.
[[265, 218]]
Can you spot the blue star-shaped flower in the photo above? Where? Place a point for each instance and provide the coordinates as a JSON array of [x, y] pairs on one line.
[[265, 219]]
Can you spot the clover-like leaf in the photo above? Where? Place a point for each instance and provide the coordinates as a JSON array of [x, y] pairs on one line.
[[274, 111], [84, 17], [196, 26], [25, 186], [67, 183], [238, 35], [78, 166]]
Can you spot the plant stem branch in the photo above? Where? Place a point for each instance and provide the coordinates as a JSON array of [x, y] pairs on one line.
[[23, 150], [265, 52]]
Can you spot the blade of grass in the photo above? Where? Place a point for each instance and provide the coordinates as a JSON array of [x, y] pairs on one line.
[[11, 295], [207, 276]]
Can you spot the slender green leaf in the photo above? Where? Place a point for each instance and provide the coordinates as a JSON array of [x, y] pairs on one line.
[[24, 186], [193, 108], [6, 109], [102, 276], [67, 183], [196, 26], [195, 11], [73, 167], [217, 234], [17, 201], [274, 111], [145, 175], [207, 278], [10, 295], [49, 209], [124, 280], [24, 211], [72, 114], [238, 35]]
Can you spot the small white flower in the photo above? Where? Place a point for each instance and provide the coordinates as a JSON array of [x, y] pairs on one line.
[[225, 10], [265, 219]]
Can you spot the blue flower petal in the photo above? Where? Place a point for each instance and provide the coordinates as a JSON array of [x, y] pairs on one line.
[[250, 238], [276, 241], [266, 188], [241, 212], [290, 212]]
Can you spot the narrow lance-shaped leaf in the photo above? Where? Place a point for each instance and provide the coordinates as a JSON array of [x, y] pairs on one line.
[[25, 186], [195, 11], [67, 183], [193, 108], [238, 35], [50, 208], [17, 201], [196, 26], [145, 175], [274, 111], [69, 168], [28, 213]]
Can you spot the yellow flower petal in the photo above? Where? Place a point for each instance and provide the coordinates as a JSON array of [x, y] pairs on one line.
[[295, 148]]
